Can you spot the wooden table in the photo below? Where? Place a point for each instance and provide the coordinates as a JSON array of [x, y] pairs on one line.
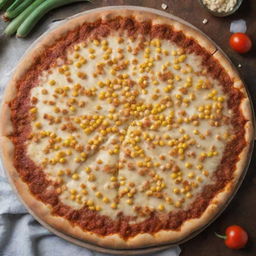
[[242, 209]]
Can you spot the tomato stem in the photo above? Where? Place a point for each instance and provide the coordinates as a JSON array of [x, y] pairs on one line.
[[221, 236]]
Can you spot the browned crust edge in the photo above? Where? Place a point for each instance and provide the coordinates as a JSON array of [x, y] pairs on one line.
[[43, 212]]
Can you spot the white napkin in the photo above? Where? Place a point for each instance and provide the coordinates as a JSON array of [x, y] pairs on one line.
[[20, 233]]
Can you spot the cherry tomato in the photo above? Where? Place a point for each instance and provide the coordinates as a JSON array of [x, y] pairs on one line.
[[236, 237], [240, 42]]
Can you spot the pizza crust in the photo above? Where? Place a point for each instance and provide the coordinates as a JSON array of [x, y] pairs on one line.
[[42, 212]]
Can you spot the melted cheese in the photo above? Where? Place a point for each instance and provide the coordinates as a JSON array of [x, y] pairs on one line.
[[129, 126]]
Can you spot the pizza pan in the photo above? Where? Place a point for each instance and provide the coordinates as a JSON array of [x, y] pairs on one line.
[[153, 249]]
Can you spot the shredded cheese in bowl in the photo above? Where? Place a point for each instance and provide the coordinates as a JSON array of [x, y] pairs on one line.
[[220, 6]]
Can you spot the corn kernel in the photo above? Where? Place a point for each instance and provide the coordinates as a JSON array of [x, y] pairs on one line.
[[161, 207], [129, 201], [52, 82], [105, 200], [75, 176]]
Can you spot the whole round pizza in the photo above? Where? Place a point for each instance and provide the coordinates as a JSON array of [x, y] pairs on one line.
[[126, 129]]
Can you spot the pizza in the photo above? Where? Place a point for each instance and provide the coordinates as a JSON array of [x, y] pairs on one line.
[[125, 129]]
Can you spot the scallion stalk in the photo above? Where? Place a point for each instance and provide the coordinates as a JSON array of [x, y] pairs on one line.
[[39, 12], [14, 12], [5, 3], [14, 5], [14, 24]]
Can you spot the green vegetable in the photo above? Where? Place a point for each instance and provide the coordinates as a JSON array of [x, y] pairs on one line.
[[14, 5], [5, 3], [39, 12], [14, 12], [14, 24]]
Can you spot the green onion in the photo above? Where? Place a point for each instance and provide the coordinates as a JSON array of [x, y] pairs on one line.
[[39, 12], [14, 12], [14, 5], [14, 24], [5, 3]]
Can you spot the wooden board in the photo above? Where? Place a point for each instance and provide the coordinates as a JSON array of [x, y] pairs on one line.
[[119, 252]]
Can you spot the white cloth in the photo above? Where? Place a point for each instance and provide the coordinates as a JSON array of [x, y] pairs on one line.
[[20, 233]]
